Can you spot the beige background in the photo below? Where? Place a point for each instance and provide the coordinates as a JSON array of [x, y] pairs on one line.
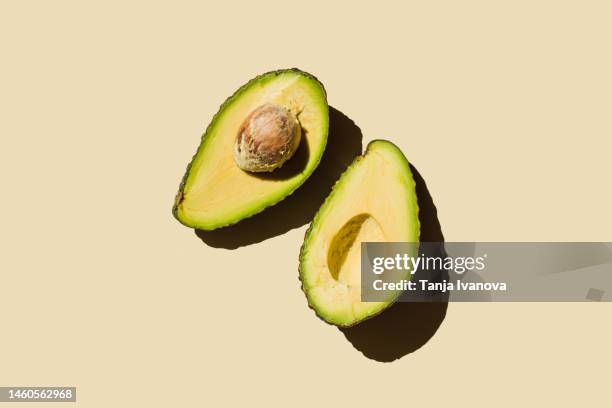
[[504, 109]]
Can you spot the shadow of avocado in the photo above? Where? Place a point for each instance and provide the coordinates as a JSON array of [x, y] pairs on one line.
[[343, 145], [408, 324]]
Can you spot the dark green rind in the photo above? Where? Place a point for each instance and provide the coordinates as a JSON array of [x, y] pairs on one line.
[[179, 195], [307, 235]]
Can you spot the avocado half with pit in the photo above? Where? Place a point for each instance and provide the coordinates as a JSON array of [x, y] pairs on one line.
[[264, 142], [373, 201]]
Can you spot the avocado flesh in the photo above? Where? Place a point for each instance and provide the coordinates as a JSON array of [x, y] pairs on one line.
[[215, 192], [374, 201]]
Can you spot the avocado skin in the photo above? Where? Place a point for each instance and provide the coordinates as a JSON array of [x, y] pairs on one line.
[[315, 220], [179, 195]]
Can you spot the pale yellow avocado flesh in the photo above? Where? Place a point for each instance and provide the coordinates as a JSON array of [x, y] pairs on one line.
[[374, 201], [215, 191]]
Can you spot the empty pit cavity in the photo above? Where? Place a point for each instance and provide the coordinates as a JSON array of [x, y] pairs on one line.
[[344, 254]]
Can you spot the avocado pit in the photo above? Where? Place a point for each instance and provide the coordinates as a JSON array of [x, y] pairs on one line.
[[268, 137]]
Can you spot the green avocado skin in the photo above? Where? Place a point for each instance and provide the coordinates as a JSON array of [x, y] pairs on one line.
[[310, 232], [239, 217]]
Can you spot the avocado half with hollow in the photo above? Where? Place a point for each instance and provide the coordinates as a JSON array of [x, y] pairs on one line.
[[373, 201], [232, 176]]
